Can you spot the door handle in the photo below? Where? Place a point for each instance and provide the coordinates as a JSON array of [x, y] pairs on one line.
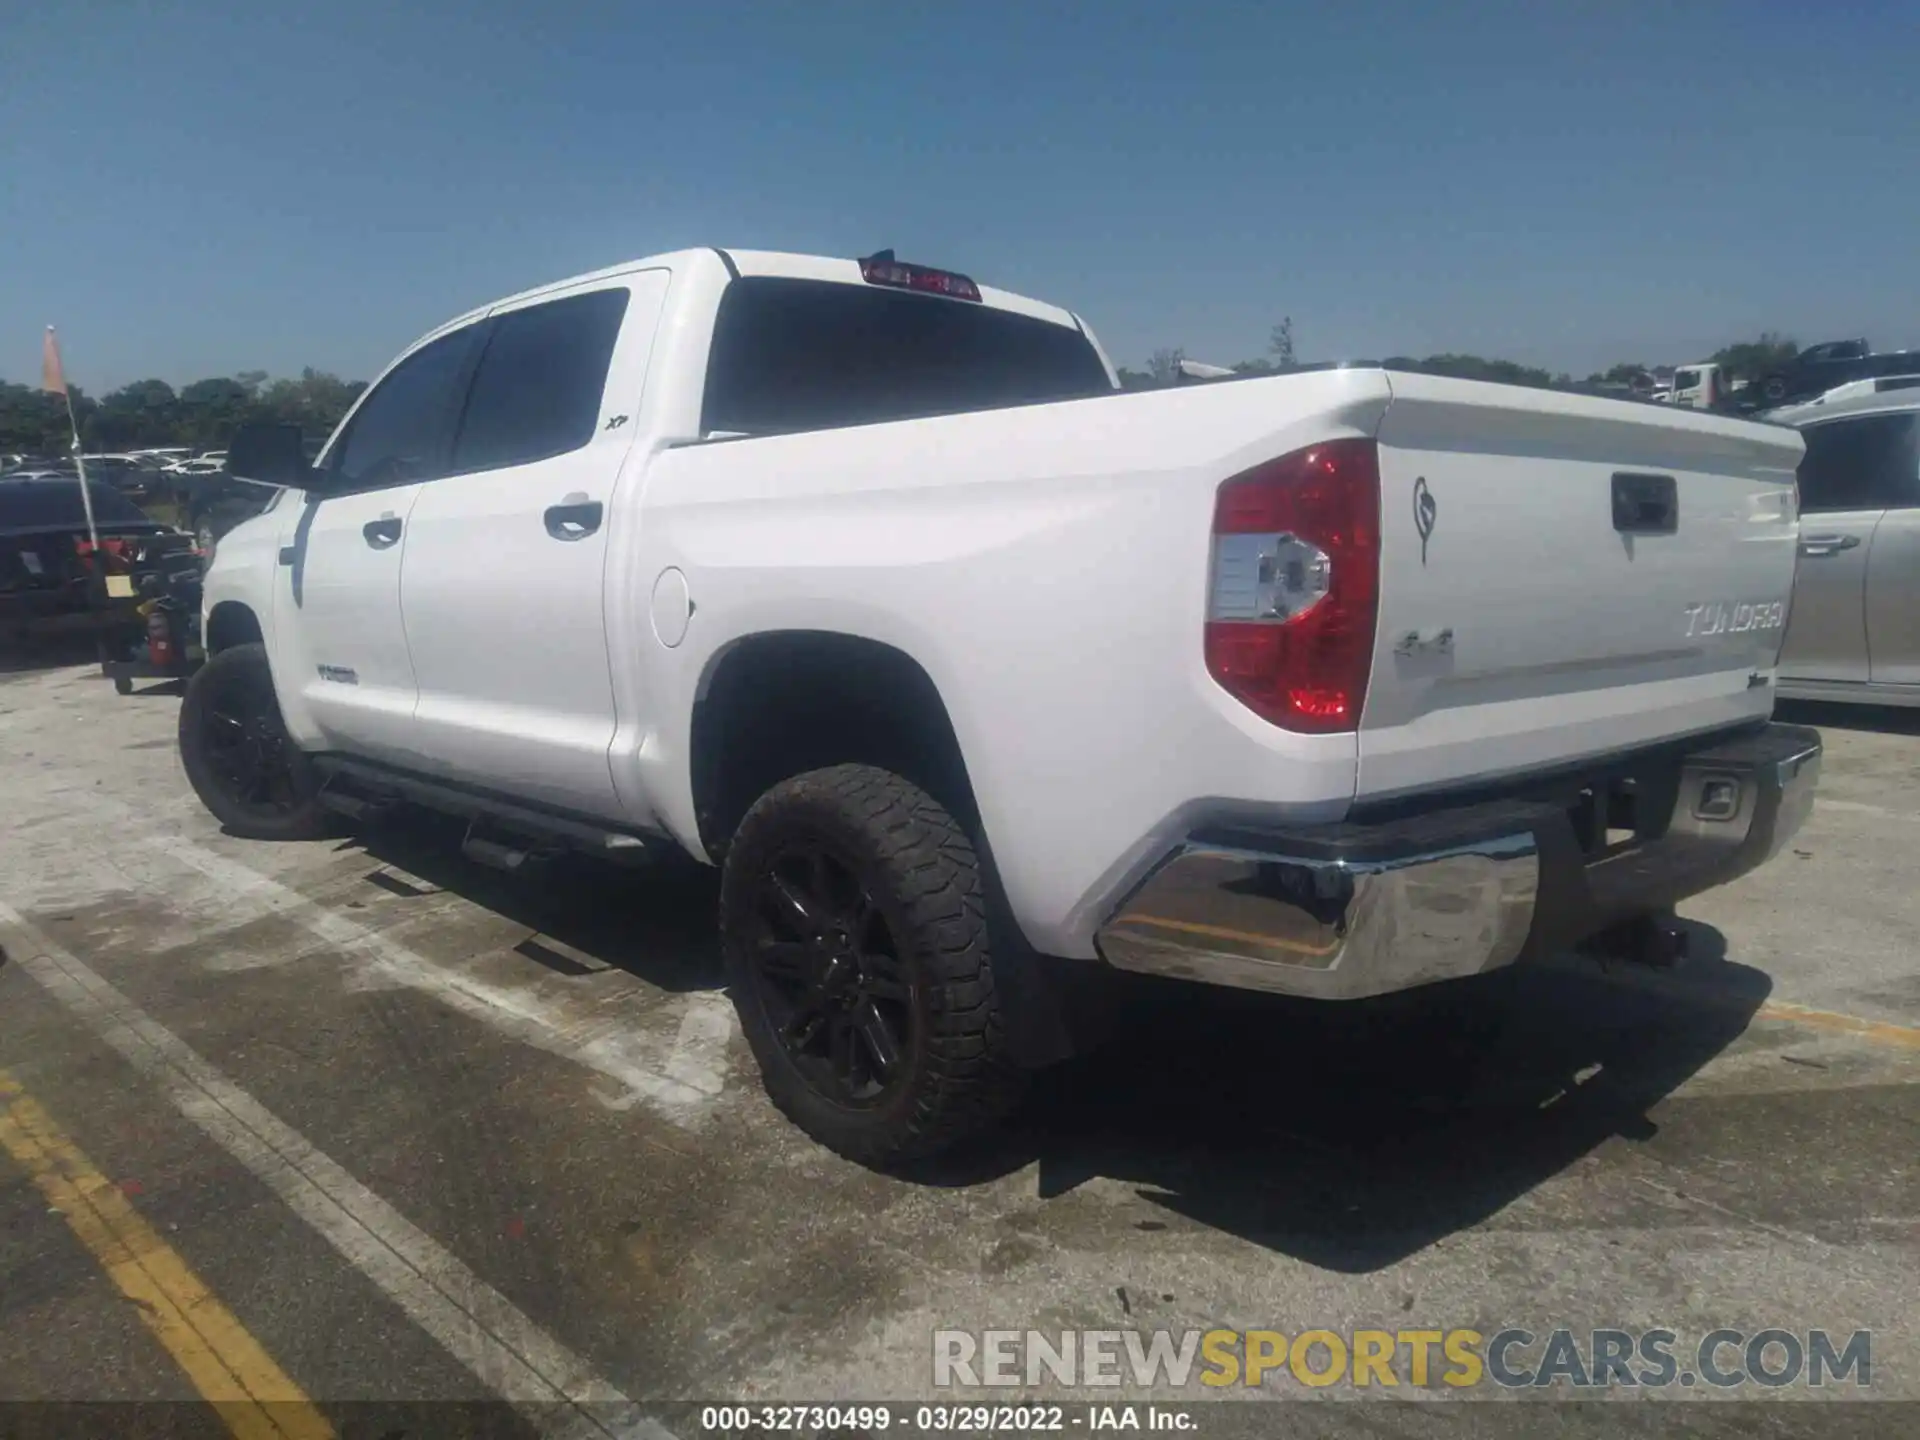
[[1645, 504], [384, 533], [574, 518], [1817, 545]]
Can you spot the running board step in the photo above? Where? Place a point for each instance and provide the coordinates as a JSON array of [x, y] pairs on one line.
[[361, 809], [365, 791], [502, 854]]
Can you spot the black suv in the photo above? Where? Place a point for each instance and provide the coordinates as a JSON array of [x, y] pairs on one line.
[[1819, 368]]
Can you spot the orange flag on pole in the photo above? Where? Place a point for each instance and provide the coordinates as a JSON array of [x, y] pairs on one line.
[[52, 378]]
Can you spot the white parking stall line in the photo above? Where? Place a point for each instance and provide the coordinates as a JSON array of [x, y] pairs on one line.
[[678, 1081], [679, 1086], [500, 1345]]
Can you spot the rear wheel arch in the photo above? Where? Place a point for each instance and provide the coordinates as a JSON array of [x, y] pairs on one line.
[[231, 623], [780, 703]]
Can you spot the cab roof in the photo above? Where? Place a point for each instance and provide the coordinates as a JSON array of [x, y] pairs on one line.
[[777, 263]]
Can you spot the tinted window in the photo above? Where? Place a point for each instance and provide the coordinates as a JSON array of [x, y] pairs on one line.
[[1861, 464], [537, 391], [400, 433], [1686, 379], [811, 354], [27, 504]]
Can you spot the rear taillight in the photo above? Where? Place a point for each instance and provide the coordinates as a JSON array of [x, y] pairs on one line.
[[1295, 588]]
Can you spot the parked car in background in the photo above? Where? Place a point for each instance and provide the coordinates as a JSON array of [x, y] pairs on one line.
[[125, 473], [1819, 368], [1854, 629], [1852, 390], [44, 546], [212, 504], [1702, 386]]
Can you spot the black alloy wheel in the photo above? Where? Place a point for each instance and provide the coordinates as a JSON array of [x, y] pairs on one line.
[[238, 756], [829, 973], [853, 923], [248, 747]]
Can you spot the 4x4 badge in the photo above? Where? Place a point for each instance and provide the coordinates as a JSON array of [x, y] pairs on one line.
[[1426, 510]]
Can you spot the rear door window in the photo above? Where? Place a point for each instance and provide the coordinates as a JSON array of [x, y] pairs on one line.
[[402, 431], [1866, 463], [813, 354], [538, 389]]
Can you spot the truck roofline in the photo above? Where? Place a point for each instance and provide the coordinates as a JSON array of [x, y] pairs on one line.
[[781, 263]]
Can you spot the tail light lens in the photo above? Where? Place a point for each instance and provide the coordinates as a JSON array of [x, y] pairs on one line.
[[1295, 587]]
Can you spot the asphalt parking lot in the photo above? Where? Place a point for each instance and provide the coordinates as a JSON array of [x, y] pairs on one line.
[[373, 1127]]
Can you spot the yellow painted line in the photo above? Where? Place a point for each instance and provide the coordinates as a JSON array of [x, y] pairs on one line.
[[1880, 1031], [1220, 932], [252, 1394]]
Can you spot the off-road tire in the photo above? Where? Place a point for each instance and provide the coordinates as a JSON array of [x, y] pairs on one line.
[[305, 819], [923, 873]]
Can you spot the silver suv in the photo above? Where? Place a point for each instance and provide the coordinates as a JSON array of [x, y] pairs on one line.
[[1854, 633]]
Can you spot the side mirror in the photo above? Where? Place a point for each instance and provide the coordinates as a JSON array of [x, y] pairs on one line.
[[270, 454]]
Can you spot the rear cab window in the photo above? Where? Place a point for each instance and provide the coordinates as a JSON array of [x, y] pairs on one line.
[[794, 354]]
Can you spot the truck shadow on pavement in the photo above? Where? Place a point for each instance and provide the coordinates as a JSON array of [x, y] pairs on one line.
[[1349, 1136], [1882, 719], [27, 655], [656, 923], [1353, 1136]]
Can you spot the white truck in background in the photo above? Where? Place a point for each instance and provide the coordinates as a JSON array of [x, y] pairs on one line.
[[1703, 385], [977, 677]]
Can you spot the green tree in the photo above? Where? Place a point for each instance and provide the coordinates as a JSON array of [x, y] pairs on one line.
[[210, 411], [151, 413], [1752, 359], [315, 401], [1472, 367], [1280, 344], [133, 416], [32, 422], [1624, 374]]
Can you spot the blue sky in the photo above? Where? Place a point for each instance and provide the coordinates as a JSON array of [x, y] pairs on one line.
[[199, 188]]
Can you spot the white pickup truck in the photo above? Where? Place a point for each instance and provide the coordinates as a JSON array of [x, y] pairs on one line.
[[977, 677]]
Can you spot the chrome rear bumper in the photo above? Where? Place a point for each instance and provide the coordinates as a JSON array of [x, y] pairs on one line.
[[1362, 909]]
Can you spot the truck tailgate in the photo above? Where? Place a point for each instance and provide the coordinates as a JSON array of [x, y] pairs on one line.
[[1564, 576]]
